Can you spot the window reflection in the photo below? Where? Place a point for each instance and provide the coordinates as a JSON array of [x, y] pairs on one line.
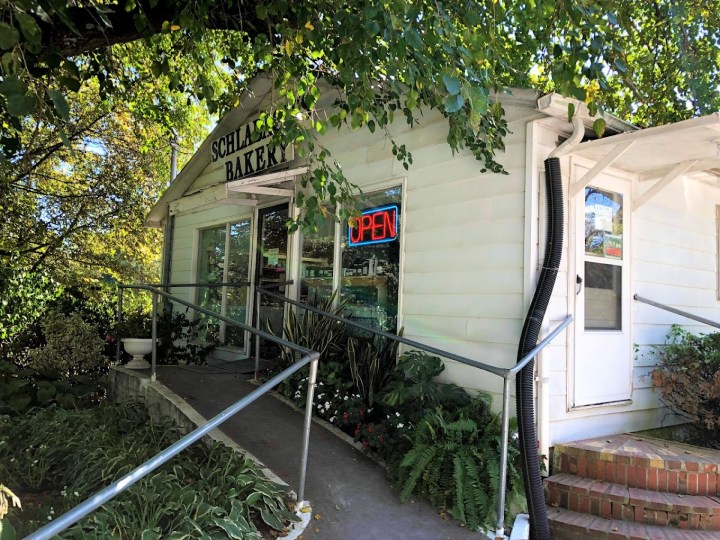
[[370, 272], [603, 223]]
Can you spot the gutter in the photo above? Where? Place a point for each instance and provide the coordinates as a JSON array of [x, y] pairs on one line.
[[556, 106]]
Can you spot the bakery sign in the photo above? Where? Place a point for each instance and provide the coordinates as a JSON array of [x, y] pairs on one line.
[[245, 152]]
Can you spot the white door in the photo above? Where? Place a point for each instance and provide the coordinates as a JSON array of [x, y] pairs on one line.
[[603, 352]]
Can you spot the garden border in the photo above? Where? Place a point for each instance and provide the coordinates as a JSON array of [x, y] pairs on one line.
[[161, 402]]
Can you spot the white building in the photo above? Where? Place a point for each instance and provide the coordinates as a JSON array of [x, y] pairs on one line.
[[458, 268]]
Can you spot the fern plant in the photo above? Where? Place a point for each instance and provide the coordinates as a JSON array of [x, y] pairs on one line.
[[454, 462]]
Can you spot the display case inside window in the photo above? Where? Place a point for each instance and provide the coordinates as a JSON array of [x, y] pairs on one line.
[[316, 264], [210, 269], [371, 261]]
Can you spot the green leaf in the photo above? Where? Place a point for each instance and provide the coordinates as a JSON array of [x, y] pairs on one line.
[[9, 36], [12, 86], [10, 63], [453, 103], [599, 127], [29, 27], [45, 391], [71, 83], [61, 106], [7, 532], [271, 519], [20, 104], [571, 111], [412, 38], [231, 529], [620, 65], [452, 84]]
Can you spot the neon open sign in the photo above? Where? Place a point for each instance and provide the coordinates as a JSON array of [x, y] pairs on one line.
[[374, 226]]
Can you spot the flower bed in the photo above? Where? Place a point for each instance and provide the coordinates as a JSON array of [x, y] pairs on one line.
[[55, 458], [438, 441]]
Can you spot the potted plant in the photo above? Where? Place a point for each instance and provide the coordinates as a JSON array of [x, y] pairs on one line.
[[136, 332]]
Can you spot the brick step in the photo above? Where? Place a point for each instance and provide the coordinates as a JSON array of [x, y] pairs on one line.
[[642, 462], [569, 525], [615, 501]]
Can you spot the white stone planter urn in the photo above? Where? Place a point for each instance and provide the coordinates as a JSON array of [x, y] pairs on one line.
[[137, 348]]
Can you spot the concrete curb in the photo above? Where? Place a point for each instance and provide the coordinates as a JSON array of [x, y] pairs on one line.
[[161, 402]]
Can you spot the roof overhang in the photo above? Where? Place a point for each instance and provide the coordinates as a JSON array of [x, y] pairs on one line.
[[662, 153], [249, 103]]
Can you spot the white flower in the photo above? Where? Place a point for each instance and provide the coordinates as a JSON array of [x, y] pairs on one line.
[[49, 518], [52, 510], [345, 398], [397, 414], [327, 404], [76, 494], [321, 383], [400, 425], [332, 419]]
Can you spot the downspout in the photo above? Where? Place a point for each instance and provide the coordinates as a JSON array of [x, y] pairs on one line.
[[169, 225], [525, 383]]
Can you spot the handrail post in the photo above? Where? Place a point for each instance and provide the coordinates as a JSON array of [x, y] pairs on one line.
[[153, 367], [117, 325], [502, 484], [257, 336], [312, 380]]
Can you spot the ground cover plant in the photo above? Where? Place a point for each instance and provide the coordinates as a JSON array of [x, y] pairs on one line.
[[688, 379], [54, 458], [438, 441]]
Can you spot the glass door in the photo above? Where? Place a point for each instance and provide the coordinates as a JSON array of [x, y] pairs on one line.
[[224, 257], [603, 355], [271, 269]]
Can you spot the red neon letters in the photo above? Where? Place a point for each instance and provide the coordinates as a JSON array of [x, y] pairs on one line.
[[374, 226]]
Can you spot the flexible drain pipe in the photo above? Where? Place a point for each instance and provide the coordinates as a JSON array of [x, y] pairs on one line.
[[539, 526]]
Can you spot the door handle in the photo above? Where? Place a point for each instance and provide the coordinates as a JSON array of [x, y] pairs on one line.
[[579, 282]]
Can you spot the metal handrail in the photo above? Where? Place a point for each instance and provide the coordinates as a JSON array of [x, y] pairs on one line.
[[508, 375], [117, 487], [175, 285], [104, 495], [676, 311]]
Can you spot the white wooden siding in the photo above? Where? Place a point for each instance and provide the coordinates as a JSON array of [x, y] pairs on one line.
[[462, 285], [462, 230], [673, 261]]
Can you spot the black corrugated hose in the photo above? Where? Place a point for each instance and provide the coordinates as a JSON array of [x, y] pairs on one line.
[[539, 526]]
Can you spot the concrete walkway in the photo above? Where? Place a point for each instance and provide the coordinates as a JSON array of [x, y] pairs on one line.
[[350, 494]]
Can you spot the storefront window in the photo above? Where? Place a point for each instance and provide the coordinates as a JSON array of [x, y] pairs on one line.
[[371, 261], [217, 266], [211, 269], [316, 264], [237, 272]]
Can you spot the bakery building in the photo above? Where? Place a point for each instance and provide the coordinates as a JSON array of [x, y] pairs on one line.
[[452, 255]]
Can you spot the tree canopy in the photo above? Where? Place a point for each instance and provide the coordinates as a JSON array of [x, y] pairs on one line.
[[647, 61]]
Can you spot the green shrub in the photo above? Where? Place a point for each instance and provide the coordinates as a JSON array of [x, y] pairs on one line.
[[23, 388], [179, 340], [454, 462], [415, 383], [72, 346], [315, 332], [206, 491], [688, 376], [372, 363]]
